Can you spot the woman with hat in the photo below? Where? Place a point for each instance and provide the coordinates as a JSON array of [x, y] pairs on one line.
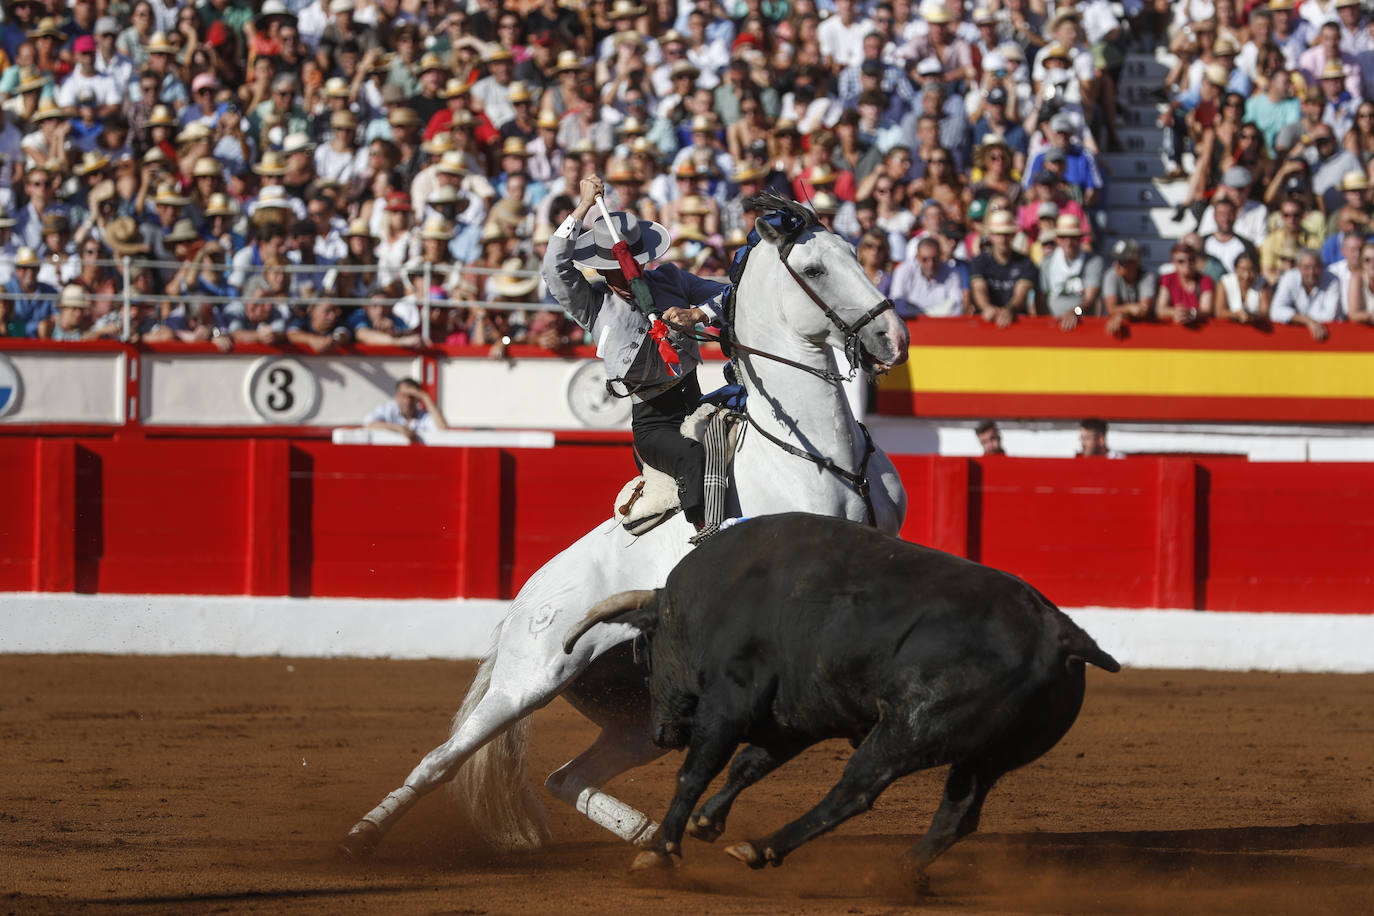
[[100, 280], [73, 314], [397, 243], [993, 171], [663, 395], [357, 270]]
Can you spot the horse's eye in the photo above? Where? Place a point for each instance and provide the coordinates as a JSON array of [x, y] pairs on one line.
[[814, 272]]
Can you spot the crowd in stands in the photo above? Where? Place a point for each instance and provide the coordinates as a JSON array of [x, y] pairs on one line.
[[317, 171]]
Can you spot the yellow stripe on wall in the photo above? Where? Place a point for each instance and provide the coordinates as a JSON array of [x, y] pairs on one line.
[[1074, 370]]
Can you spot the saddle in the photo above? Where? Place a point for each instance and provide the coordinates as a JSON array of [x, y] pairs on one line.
[[650, 499]]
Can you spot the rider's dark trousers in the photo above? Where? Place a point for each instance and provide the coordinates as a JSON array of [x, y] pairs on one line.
[[658, 439]]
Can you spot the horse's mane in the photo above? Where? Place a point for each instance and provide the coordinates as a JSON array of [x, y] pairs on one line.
[[770, 201]]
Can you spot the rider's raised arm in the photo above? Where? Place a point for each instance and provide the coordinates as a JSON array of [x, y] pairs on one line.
[[565, 281]]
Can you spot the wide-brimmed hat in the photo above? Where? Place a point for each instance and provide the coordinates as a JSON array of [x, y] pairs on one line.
[[514, 146], [27, 257], [455, 87], [398, 202], [298, 142], [1066, 226], [271, 164], [567, 60], [693, 205], [437, 145], [48, 109], [183, 230], [55, 222], [684, 68], [547, 121], [1000, 222], [31, 80], [358, 229], [220, 205], [93, 160], [47, 27], [274, 9], [343, 120], [272, 197], [496, 52], [518, 91], [161, 116], [451, 163], [159, 44], [431, 61], [123, 237], [825, 202], [510, 283], [195, 132], [647, 241], [167, 195], [444, 194], [73, 297], [402, 117], [438, 228], [625, 9]]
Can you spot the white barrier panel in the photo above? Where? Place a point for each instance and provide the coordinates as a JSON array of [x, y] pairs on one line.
[[452, 438], [230, 390], [47, 386], [350, 627]]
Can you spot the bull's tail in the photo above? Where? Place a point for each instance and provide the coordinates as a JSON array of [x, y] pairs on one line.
[[1075, 641], [491, 789], [611, 609]]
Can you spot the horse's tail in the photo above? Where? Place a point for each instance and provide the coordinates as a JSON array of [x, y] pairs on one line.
[[492, 789]]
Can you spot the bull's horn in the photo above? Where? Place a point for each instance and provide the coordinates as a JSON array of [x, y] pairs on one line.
[[606, 610]]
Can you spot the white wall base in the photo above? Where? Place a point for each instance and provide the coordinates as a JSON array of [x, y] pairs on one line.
[[353, 627]]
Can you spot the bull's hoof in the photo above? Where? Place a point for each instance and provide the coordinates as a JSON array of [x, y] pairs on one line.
[[917, 881], [652, 859], [360, 842], [703, 828], [747, 854]]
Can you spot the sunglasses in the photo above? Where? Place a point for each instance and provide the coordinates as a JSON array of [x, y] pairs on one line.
[[939, 162]]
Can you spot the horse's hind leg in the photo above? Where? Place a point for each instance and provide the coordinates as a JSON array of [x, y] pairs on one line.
[[621, 746]]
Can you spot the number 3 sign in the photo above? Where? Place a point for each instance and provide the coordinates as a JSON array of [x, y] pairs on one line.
[[282, 389]]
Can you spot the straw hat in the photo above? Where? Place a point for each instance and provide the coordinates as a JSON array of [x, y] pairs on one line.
[[27, 257], [207, 167], [1000, 222], [273, 197], [438, 228], [455, 87], [167, 195], [511, 285], [462, 118], [271, 164], [518, 91], [493, 232], [47, 110], [31, 80], [298, 142], [1354, 180], [693, 205], [402, 117], [358, 229], [496, 52], [444, 194], [123, 237], [625, 9], [55, 222], [159, 44], [91, 161], [703, 123], [162, 116], [1066, 226], [183, 230], [684, 68], [430, 61], [619, 171], [343, 120], [451, 163], [194, 132], [154, 155], [547, 121], [691, 234], [567, 61], [514, 146], [47, 28], [825, 203], [736, 237], [437, 145], [336, 87], [220, 205], [632, 127], [73, 297], [747, 172], [821, 175]]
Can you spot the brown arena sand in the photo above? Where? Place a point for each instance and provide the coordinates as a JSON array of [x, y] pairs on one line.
[[208, 785]]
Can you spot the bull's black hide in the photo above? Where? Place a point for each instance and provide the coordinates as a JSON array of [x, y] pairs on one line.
[[790, 629]]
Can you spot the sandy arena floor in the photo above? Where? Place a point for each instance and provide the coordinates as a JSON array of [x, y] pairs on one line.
[[198, 785]]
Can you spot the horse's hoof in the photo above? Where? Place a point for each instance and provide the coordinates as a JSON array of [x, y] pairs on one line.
[[918, 882], [360, 842], [703, 828], [746, 853], [651, 858]]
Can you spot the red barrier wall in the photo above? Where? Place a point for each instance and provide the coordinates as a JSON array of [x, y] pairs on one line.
[[273, 517]]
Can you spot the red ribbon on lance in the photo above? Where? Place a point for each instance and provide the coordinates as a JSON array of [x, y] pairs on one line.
[[643, 296]]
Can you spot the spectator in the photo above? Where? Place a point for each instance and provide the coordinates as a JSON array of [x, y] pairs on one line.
[[410, 412], [1128, 292], [990, 438], [928, 285], [73, 314], [1223, 244], [33, 300], [1307, 295], [1244, 296], [1002, 279], [1360, 295], [1092, 439], [322, 329], [1071, 276], [1185, 296]]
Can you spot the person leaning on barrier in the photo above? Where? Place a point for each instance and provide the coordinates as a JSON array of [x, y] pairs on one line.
[[411, 411], [1128, 290], [990, 438]]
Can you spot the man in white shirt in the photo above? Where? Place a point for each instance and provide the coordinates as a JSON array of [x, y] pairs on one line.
[[411, 412], [924, 285], [1307, 295], [84, 77], [841, 36], [1251, 215]]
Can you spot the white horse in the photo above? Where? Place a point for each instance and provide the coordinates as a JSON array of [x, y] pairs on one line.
[[801, 294]]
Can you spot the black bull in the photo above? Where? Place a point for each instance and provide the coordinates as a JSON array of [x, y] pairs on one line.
[[791, 629]]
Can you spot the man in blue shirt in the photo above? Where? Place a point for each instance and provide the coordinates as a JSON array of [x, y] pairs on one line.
[[33, 302], [1075, 165]]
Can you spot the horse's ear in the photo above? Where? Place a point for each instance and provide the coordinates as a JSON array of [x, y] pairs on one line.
[[769, 233]]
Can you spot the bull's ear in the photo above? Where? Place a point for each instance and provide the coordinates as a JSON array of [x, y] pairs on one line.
[[768, 232]]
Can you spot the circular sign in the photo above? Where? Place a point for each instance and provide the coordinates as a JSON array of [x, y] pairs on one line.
[[282, 389], [589, 400], [11, 389]]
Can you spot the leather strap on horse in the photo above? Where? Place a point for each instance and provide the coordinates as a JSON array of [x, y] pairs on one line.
[[857, 479]]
